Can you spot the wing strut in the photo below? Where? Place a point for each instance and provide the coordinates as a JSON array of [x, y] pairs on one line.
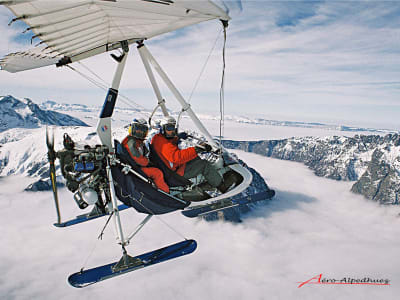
[[161, 101], [104, 131], [147, 57], [104, 124], [236, 167]]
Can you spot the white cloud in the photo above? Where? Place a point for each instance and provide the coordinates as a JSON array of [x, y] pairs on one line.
[[313, 226]]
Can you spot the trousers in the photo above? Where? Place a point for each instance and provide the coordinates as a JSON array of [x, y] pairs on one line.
[[157, 176], [199, 166]]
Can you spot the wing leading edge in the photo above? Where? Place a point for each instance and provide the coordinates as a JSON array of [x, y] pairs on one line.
[[72, 30]]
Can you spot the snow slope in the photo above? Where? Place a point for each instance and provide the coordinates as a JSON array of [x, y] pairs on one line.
[[16, 113]]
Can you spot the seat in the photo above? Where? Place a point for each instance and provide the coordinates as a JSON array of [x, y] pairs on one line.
[[124, 156], [141, 195], [170, 177]]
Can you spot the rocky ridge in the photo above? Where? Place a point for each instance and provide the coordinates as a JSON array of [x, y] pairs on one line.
[[372, 161], [25, 153], [15, 113]]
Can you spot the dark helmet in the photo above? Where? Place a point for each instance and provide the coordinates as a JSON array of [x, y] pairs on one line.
[[68, 142], [138, 129], [168, 127]]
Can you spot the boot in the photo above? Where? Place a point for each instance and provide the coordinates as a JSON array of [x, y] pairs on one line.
[[230, 179], [205, 186], [195, 194]]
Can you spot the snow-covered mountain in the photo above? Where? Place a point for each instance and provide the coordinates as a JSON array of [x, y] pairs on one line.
[[372, 161], [24, 151], [126, 114], [15, 113], [55, 106], [313, 125], [26, 154], [52, 105]]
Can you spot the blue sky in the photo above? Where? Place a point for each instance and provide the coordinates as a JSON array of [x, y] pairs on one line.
[[327, 61]]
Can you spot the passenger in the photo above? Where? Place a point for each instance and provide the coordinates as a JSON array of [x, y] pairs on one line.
[[134, 143], [186, 162]]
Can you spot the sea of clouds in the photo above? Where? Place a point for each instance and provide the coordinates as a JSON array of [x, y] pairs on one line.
[[313, 226]]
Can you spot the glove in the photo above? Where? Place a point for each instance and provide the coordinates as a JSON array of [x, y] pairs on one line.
[[182, 135], [203, 147], [207, 147]]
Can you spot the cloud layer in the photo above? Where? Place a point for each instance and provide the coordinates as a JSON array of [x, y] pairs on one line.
[[313, 226]]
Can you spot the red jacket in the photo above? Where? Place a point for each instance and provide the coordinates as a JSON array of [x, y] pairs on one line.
[[136, 149], [171, 155]]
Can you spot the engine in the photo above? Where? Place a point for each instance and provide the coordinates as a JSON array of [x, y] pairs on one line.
[[85, 172]]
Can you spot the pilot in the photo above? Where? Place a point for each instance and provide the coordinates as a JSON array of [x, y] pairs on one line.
[[134, 143], [186, 162]]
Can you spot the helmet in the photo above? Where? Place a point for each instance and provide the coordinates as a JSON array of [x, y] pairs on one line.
[[68, 142], [168, 120], [138, 129], [168, 127]]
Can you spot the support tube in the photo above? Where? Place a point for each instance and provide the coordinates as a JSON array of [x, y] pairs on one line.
[[153, 80], [104, 125], [185, 106], [116, 216], [148, 217]]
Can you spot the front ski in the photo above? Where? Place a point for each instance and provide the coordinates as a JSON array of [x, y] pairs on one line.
[[87, 217], [201, 210], [128, 264]]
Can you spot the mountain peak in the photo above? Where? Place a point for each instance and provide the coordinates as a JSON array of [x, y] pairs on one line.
[[15, 113]]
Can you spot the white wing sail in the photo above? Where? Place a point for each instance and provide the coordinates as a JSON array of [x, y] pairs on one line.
[[72, 30]]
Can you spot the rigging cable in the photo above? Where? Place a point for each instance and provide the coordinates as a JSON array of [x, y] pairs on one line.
[[104, 87], [199, 77], [95, 243], [150, 211], [204, 66], [92, 72], [221, 91]]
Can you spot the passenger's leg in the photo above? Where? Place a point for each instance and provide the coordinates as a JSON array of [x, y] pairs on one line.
[[158, 177], [199, 166]]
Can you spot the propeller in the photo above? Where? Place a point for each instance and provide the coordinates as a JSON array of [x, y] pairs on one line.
[[51, 154]]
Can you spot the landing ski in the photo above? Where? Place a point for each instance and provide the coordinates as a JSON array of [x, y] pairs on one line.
[[201, 210], [129, 264], [87, 217]]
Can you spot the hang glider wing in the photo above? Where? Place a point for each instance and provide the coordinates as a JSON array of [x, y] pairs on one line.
[[72, 30]]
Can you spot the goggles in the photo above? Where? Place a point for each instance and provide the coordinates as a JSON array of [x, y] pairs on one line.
[[139, 131], [140, 127], [169, 127]]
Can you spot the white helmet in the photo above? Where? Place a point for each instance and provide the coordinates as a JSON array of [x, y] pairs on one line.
[[168, 127], [168, 120]]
